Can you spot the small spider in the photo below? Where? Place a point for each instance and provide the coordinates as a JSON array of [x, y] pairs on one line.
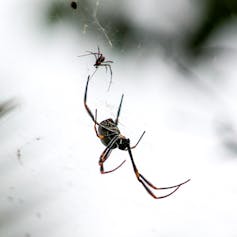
[[100, 61], [109, 134]]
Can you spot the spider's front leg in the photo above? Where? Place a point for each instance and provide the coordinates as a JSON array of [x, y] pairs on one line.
[[85, 101], [96, 55], [132, 147], [119, 109], [86, 106]]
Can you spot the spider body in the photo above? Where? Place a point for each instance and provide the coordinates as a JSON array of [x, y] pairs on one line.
[[100, 59], [109, 134], [101, 62]]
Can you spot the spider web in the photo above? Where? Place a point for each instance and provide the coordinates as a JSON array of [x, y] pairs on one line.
[[100, 26], [85, 17]]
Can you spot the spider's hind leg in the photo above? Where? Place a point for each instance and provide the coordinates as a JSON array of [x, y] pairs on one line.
[[146, 184]]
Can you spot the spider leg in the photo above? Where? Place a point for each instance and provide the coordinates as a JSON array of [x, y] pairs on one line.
[[87, 107], [105, 155], [95, 123], [83, 55], [96, 55], [108, 61], [111, 75], [104, 64], [94, 72], [146, 184], [85, 99], [132, 147], [85, 102], [98, 49], [94, 118], [174, 186], [90, 52], [119, 109]]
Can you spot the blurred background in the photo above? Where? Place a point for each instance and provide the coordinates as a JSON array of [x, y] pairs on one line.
[[175, 63]]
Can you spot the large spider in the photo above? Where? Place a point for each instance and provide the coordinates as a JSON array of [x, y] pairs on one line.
[[100, 61], [109, 134]]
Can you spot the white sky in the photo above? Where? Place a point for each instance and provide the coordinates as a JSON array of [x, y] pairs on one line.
[[55, 188]]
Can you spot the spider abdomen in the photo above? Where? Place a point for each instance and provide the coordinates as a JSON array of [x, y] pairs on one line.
[[108, 130]]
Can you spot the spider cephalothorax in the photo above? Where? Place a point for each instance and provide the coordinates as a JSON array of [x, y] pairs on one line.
[[110, 136]]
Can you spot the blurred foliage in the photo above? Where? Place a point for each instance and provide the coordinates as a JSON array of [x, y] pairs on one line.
[[58, 11], [127, 35], [216, 13], [228, 136], [6, 107]]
